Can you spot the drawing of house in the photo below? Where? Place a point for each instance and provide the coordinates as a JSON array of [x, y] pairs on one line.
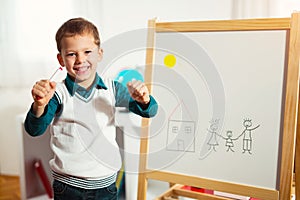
[[181, 136]]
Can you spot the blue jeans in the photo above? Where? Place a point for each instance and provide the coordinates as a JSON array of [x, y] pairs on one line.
[[64, 191]]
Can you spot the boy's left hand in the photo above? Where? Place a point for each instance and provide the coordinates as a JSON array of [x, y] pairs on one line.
[[138, 91]]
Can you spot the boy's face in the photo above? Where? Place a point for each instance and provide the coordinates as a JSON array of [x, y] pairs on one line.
[[80, 55]]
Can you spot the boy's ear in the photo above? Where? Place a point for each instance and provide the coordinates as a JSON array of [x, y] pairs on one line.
[[100, 54], [60, 60]]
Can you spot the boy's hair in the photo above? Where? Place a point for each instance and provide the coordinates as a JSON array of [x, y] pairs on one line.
[[76, 26]]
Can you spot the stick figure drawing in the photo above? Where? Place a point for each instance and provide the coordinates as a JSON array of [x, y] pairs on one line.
[[212, 142], [247, 133], [229, 141]]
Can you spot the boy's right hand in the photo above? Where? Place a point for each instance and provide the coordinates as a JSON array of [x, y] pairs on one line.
[[42, 92]]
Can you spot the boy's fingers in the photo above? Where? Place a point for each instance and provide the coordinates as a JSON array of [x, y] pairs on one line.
[[131, 87], [43, 88], [138, 91], [53, 85], [134, 83], [41, 85], [143, 89], [139, 87], [138, 84]]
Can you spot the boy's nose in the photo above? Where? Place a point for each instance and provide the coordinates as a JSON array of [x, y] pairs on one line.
[[80, 58]]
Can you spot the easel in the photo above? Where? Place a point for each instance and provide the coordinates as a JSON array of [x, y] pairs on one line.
[[291, 25]]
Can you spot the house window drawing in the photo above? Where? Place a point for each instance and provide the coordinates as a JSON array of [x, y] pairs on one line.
[[188, 129], [175, 129]]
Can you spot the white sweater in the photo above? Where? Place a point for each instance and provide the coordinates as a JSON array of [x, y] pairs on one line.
[[83, 136]]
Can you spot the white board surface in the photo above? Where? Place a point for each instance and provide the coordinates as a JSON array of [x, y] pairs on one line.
[[220, 105]]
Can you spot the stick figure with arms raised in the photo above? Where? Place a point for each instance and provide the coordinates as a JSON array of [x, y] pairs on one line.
[[247, 139]]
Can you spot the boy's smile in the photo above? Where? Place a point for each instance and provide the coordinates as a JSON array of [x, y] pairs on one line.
[[82, 71], [80, 55]]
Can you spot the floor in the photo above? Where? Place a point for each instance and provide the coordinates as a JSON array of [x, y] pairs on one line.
[[9, 188]]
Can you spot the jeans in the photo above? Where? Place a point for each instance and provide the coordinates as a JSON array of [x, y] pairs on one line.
[[64, 191]]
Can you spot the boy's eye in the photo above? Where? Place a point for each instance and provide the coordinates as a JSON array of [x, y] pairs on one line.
[[71, 54], [88, 52]]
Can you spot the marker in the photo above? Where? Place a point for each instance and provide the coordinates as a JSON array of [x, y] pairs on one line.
[[60, 68]]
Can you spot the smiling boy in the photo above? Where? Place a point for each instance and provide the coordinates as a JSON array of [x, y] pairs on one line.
[[80, 112]]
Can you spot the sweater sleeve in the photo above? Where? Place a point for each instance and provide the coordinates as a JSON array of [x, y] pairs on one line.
[[123, 99], [37, 126]]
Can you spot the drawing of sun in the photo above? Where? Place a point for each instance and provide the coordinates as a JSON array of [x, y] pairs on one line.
[[170, 60]]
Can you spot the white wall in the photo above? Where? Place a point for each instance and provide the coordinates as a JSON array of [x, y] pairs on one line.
[[133, 14], [13, 102], [283, 8]]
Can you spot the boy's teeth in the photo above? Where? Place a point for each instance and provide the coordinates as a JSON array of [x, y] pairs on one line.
[[81, 68]]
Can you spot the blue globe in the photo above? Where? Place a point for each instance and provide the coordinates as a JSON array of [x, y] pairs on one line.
[[128, 75]]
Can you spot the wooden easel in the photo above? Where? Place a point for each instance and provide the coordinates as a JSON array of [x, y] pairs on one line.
[[292, 26]]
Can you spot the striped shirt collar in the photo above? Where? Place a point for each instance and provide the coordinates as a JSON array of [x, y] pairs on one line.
[[73, 87]]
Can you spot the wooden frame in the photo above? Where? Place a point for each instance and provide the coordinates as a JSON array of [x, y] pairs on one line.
[[292, 26]]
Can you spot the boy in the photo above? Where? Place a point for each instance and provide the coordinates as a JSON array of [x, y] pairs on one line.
[[80, 112]]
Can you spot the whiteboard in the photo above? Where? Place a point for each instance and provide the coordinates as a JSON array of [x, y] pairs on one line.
[[220, 104]]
